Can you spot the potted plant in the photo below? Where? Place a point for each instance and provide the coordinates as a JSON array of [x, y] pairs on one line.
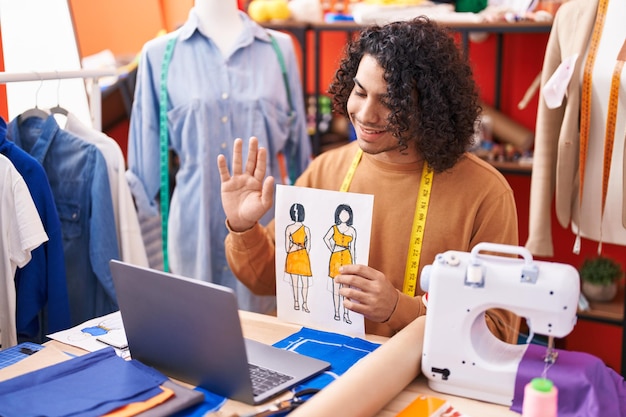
[[600, 276]]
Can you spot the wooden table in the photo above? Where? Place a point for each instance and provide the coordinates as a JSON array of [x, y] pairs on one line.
[[268, 329]]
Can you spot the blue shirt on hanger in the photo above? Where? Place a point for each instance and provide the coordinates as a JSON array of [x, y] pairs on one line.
[[213, 99], [80, 184], [41, 287]]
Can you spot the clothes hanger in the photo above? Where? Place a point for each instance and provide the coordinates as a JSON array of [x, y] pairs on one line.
[[59, 113], [58, 109], [35, 111]]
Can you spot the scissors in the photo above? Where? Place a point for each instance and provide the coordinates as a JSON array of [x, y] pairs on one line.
[[282, 408]]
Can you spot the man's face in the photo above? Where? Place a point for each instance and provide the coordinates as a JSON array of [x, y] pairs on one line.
[[366, 110]]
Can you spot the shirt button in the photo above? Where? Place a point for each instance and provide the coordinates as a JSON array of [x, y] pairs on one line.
[[224, 96], [224, 119], [223, 145]]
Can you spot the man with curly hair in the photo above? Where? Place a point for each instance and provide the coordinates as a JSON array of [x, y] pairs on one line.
[[410, 95]]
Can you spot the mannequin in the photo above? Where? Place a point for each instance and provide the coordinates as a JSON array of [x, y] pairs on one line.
[[589, 219], [220, 21], [556, 167], [224, 81]]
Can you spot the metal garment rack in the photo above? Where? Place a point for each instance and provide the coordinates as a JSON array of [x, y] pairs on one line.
[[95, 98]]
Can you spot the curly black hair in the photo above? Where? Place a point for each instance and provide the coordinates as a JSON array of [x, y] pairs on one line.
[[432, 95]]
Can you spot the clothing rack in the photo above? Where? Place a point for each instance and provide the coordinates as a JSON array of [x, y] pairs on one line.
[[95, 98]]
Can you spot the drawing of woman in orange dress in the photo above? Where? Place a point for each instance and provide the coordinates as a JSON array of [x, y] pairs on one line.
[[297, 263], [340, 240]]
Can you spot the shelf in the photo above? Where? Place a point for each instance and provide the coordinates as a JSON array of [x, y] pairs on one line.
[[299, 31], [609, 312], [515, 168]]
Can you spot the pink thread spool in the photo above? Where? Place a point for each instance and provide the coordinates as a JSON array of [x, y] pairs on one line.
[[540, 399]]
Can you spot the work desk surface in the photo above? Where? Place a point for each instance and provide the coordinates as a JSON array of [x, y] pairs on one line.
[[268, 329]]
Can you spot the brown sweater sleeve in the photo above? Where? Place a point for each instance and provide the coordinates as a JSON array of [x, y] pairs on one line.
[[250, 255]]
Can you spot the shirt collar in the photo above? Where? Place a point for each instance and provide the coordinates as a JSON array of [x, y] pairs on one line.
[[251, 29]]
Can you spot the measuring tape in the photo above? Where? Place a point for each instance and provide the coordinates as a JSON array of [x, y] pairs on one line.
[[419, 221], [585, 105], [345, 185], [417, 232], [611, 119], [164, 171]]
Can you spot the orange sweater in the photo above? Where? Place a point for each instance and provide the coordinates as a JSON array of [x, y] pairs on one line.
[[469, 204]]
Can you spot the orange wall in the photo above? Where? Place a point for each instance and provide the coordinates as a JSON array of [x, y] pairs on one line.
[[175, 12], [119, 25]]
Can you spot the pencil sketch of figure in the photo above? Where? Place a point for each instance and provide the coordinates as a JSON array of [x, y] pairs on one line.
[[297, 263], [340, 240]]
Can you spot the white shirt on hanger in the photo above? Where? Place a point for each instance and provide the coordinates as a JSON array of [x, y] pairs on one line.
[[22, 231]]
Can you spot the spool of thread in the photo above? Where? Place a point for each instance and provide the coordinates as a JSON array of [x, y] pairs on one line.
[[540, 399]]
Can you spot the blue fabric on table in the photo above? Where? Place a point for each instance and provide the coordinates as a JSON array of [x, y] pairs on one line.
[[340, 350], [586, 386], [88, 385]]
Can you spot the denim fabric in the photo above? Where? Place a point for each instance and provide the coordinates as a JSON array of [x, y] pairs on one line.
[[213, 99], [41, 287], [80, 184]]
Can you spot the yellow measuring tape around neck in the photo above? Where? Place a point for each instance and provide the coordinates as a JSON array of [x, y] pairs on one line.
[[419, 221]]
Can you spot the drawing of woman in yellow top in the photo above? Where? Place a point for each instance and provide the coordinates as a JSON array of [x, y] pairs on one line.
[[340, 240], [297, 263]]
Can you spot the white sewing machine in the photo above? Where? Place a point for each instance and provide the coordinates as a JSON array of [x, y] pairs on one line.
[[461, 356]]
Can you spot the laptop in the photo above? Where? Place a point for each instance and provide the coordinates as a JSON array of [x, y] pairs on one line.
[[190, 330]]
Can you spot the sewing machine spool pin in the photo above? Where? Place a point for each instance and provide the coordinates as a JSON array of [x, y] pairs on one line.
[[551, 354]]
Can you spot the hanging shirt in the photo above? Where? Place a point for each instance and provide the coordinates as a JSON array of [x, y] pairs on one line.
[[22, 231], [41, 284], [213, 99], [130, 242], [80, 184]]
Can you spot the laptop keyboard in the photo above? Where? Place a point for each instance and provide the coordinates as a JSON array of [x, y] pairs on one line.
[[264, 379]]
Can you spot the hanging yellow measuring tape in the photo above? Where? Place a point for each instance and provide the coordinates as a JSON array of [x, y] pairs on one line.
[[585, 105], [585, 112], [419, 221], [611, 119]]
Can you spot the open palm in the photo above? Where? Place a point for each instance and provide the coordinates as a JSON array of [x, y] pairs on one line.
[[246, 194]]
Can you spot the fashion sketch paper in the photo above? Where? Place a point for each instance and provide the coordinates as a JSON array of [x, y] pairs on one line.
[[318, 231]]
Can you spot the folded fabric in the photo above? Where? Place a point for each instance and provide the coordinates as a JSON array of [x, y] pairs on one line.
[[133, 409], [586, 386], [184, 399], [340, 350], [89, 385]]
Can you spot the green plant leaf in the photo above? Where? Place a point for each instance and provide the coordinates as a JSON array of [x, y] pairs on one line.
[[600, 270]]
